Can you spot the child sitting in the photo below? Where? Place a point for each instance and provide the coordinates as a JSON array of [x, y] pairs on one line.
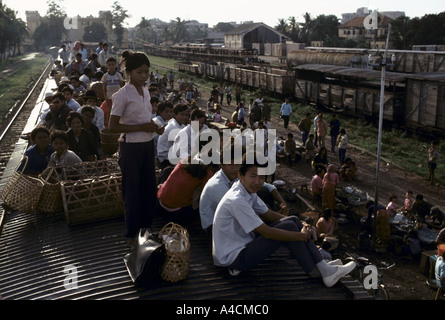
[[217, 116], [62, 156], [38, 154]]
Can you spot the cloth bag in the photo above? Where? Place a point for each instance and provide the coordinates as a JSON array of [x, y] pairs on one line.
[[145, 259]]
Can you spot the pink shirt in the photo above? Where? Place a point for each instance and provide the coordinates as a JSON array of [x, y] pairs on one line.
[[133, 109], [408, 204], [322, 127], [391, 208], [331, 178], [316, 184]]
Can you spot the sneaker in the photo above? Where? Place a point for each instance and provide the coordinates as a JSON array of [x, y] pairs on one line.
[[336, 262], [234, 272], [342, 271]]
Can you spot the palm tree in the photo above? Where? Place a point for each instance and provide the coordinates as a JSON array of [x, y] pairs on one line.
[[306, 27], [179, 30], [293, 29], [282, 26], [143, 29]]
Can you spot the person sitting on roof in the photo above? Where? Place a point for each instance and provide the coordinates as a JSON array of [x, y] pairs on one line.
[[242, 238]]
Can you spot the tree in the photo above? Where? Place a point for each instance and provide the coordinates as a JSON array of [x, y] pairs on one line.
[[305, 28], [143, 29], [282, 26], [223, 27], [293, 29], [400, 33], [52, 30], [119, 14], [324, 28], [95, 32], [179, 31], [12, 32]]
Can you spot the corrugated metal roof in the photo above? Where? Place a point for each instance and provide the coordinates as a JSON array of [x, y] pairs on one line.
[[36, 249], [352, 72]]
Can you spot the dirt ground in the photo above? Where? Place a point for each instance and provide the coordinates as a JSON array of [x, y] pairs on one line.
[[404, 281]]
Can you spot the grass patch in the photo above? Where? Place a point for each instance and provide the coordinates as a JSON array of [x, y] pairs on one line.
[[15, 86], [403, 149]]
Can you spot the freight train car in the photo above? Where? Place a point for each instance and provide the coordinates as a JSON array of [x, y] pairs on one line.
[[415, 101], [405, 61], [351, 90], [425, 101]]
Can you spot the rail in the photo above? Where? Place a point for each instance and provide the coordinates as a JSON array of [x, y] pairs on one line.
[[17, 111]]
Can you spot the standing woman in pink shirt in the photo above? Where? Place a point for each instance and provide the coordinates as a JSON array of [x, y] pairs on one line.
[[131, 115], [330, 181]]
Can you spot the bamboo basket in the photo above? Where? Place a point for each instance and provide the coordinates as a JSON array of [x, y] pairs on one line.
[[92, 199], [22, 192], [51, 199], [177, 259]]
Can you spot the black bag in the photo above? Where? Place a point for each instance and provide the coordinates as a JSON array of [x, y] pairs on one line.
[[145, 259]]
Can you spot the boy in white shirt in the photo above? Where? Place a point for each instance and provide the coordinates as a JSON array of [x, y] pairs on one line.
[[245, 231]]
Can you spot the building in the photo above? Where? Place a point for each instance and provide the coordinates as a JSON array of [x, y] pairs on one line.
[[354, 29], [250, 35], [364, 11]]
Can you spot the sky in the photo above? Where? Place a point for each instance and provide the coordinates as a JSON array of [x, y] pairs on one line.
[[212, 12]]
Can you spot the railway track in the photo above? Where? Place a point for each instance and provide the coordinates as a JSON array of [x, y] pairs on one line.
[[15, 121]]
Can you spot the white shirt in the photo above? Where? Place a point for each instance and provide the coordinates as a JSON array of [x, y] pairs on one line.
[[237, 215], [103, 56], [185, 136], [73, 104], [133, 109], [343, 142], [164, 144]]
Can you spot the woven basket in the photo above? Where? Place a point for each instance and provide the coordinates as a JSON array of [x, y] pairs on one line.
[[51, 199], [87, 169], [177, 262], [22, 192], [92, 199]]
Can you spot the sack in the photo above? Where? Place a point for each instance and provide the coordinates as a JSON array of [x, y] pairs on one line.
[[22, 192], [145, 259]]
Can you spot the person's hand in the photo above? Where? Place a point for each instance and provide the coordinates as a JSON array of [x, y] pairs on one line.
[[283, 209], [307, 232], [150, 127]]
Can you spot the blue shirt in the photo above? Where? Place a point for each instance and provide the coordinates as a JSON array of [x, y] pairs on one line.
[[286, 109], [335, 127], [36, 162]]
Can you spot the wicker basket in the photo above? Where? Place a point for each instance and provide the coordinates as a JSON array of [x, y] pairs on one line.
[[51, 199], [177, 258], [22, 192], [87, 169], [92, 199]]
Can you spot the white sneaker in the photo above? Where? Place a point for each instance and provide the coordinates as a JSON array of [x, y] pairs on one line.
[[342, 271], [234, 272], [336, 262]]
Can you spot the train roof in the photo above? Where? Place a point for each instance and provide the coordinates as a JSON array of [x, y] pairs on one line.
[[352, 72]]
